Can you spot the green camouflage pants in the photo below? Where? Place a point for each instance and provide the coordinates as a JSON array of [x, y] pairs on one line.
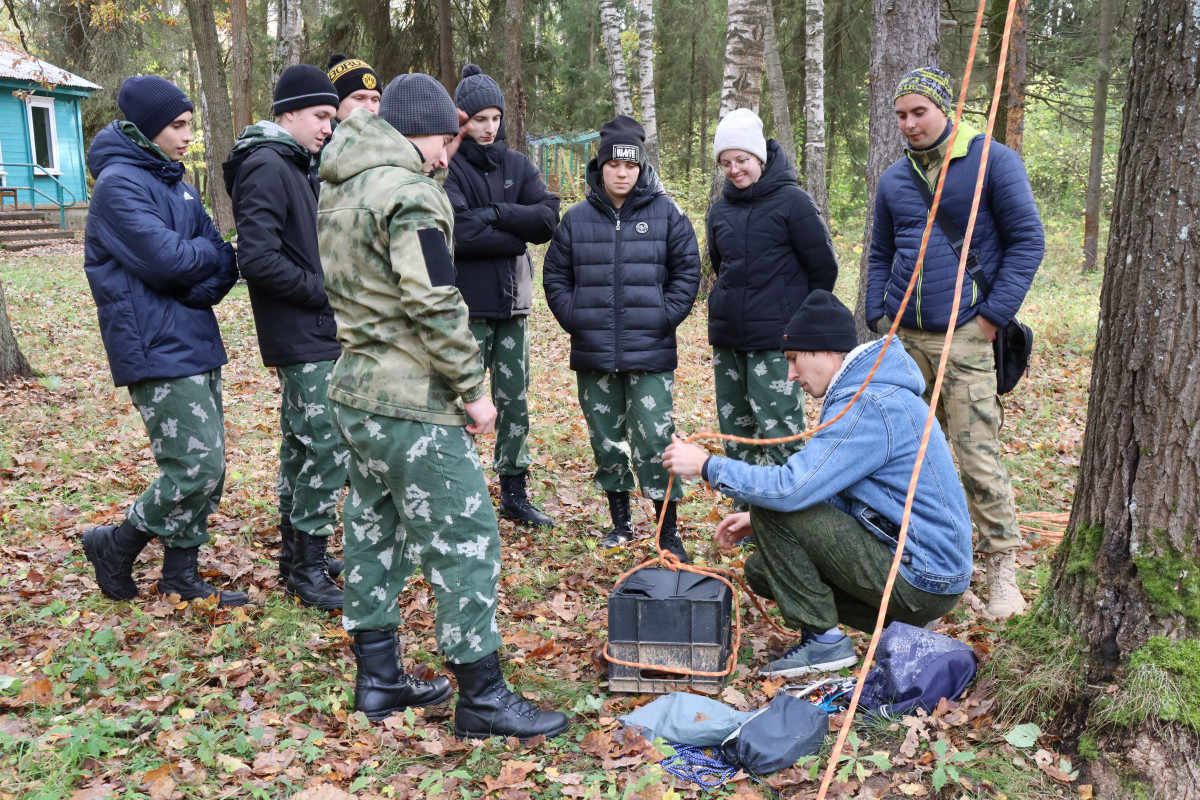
[[823, 568], [313, 459], [505, 351], [186, 423], [629, 421], [418, 497], [756, 400], [971, 417]]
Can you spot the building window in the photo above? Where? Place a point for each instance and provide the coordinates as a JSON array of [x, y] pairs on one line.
[[42, 137]]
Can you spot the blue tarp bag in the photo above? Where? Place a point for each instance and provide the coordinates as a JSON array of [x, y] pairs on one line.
[[778, 736], [915, 668]]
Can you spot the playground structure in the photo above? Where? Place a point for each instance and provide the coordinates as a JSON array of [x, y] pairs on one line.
[[562, 159]]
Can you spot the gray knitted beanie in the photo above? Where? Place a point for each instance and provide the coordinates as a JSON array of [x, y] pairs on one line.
[[417, 105], [477, 91]]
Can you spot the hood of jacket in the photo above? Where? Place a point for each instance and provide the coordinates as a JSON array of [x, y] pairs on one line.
[[896, 369], [113, 145], [365, 141], [777, 173], [648, 187], [263, 134]]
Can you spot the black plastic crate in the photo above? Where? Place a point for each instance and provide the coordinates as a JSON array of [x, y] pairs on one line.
[[673, 620]]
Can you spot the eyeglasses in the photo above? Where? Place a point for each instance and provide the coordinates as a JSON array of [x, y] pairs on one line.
[[741, 163]]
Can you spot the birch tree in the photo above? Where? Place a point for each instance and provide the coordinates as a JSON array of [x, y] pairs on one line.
[[741, 84], [814, 104], [289, 36], [778, 88], [645, 29], [610, 29]]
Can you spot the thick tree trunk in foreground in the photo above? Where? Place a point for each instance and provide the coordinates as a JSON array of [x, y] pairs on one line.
[[514, 115], [1128, 568], [12, 361], [645, 28], [610, 29], [741, 86], [778, 88], [903, 37], [1091, 214], [814, 105], [218, 117]]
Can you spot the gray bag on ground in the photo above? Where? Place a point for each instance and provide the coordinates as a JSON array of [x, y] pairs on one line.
[[686, 718], [775, 738]]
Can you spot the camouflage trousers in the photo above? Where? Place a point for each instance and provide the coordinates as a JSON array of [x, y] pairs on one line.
[[756, 400], [186, 423], [505, 351], [823, 568], [418, 498], [628, 415], [971, 417], [313, 458]]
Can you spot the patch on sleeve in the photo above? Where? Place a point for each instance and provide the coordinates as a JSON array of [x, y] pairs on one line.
[[438, 262]]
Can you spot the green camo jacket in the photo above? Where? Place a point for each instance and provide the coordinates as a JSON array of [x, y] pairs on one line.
[[406, 349]]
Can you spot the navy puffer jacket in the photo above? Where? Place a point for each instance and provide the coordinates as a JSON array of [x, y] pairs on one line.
[[1008, 240], [621, 281], [769, 248], [155, 263]]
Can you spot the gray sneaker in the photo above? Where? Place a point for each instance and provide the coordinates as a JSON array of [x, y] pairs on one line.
[[812, 656]]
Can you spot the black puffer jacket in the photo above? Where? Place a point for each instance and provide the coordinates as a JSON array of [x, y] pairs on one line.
[[275, 208], [495, 272], [621, 281], [769, 248]]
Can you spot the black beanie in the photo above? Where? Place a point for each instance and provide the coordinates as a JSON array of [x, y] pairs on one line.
[[822, 324], [417, 105], [621, 139], [350, 75], [477, 91], [152, 103], [303, 86]]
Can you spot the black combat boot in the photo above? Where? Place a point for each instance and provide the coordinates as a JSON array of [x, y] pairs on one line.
[[180, 576], [515, 505], [309, 581], [287, 552], [382, 687], [668, 537], [487, 707], [112, 550], [622, 530]]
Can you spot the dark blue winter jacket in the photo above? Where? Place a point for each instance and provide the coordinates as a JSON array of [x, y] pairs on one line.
[[1008, 240], [155, 263]]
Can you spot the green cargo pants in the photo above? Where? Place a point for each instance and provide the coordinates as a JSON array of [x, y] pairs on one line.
[[756, 400], [313, 458], [629, 421], [418, 497], [823, 568], [504, 346], [186, 423]]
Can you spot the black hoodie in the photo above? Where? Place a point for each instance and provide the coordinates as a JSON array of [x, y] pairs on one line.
[[769, 248]]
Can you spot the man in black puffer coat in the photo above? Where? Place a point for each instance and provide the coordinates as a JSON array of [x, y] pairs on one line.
[[620, 276], [500, 204]]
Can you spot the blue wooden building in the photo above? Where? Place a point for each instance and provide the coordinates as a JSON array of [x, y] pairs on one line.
[[41, 133]]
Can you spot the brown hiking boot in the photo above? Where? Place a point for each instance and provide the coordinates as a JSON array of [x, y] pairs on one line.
[[1004, 596]]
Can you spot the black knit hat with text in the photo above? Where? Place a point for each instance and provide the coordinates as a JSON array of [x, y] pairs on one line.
[[477, 91], [152, 103], [823, 324], [303, 86], [417, 105], [621, 139], [349, 75]]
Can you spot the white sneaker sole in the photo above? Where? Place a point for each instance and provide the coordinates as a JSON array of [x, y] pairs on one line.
[[796, 672]]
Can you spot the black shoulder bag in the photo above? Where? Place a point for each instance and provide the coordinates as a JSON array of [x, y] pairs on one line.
[[1014, 342]]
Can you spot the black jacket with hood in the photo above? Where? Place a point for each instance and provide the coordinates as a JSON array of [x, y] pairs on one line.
[[769, 248], [620, 281], [275, 209], [495, 272]]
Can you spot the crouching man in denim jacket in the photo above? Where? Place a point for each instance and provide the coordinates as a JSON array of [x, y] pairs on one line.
[[825, 523]]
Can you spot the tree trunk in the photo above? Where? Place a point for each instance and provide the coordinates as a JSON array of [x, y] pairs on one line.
[[903, 36], [241, 64], [13, 365], [610, 29], [1091, 215], [514, 116], [1014, 123], [646, 74], [1128, 568], [446, 46], [997, 13], [217, 117], [741, 86], [814, 104], [289, 33], [778, 88]]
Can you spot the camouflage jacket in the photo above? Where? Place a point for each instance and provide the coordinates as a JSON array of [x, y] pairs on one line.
[[385, 232]]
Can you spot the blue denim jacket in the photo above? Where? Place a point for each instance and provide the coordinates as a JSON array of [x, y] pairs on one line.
[[862, 465]]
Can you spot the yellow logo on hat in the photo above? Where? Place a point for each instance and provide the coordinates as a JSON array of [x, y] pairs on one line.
[[368, 81]]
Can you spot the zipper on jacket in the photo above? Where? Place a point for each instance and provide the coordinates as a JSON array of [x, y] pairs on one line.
[[617, 291]]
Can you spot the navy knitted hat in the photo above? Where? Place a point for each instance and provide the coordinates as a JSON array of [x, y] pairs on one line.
[[417, 105], [304, 86], [152, 103], [823, 324], [929, 82], [477, 91]]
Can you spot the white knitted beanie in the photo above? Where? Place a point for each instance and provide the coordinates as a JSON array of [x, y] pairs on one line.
[[740, 130]]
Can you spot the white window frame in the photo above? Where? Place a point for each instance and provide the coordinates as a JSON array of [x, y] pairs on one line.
[[32, 102]]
